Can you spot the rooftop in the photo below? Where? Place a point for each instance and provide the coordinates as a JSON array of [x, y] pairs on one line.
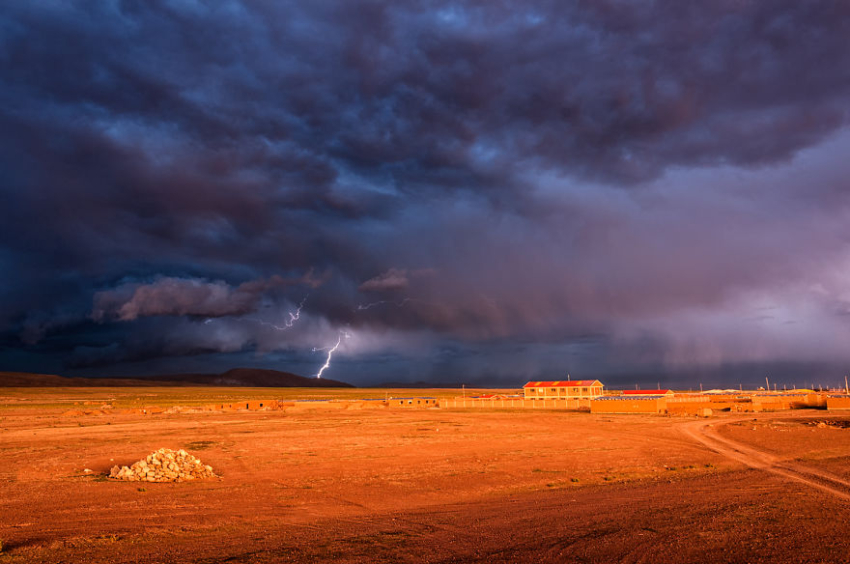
[[563, 383]]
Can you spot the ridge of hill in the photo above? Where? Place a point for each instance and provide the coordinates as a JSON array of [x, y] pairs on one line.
[[428, 385], [235, 377], [29, 380], [257, 377]]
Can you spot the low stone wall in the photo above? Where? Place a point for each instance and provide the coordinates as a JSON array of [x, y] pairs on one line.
[[516, 403], [691, 407], [838, 403], [617, 405]]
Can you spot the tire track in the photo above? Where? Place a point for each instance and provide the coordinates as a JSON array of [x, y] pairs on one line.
[[705, 433]]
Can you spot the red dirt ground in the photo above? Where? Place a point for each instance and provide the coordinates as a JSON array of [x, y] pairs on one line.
[[427, 486]]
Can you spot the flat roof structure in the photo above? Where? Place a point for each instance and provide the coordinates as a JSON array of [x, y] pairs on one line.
[[563, 383]]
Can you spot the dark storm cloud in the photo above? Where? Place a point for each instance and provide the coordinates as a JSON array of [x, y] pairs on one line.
[[157, 338], [284, 100], [543, 161], [181, 296]]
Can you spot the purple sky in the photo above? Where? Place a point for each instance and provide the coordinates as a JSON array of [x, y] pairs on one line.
[[478, 192]]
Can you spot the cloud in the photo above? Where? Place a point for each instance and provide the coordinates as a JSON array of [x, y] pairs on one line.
[[565, 171], [392, 280], [163, 339], [180, 296], [37, 324]]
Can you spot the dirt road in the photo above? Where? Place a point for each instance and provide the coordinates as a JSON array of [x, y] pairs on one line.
[[706, 433]]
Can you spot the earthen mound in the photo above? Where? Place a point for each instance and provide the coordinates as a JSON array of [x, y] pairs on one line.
[[164, 465]]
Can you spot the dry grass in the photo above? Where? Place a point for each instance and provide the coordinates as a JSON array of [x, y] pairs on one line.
[[17, 399]]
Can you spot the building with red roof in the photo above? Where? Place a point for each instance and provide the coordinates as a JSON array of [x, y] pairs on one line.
[[563, 389]]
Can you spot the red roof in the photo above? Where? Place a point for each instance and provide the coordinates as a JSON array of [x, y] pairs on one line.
[[563, 383], [646, 392]]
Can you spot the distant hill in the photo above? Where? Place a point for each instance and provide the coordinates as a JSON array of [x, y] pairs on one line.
[[256, 377], [420, 384], [237, 377], [27, 380]]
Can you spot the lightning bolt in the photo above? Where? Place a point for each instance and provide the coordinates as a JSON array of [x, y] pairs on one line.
[[293, 317], [287, 324], [331, 352]]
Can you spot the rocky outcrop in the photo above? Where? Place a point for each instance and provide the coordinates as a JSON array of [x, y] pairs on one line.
[[164, 465]]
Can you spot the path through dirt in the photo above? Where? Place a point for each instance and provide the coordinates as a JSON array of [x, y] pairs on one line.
[[705, 432]]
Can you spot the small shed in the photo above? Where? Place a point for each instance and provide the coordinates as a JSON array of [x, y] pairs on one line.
[[414, 402]]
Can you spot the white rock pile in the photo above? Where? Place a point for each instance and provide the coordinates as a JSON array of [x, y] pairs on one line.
[[164, 465]]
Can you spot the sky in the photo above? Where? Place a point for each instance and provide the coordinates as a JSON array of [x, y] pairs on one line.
[[481, 192]]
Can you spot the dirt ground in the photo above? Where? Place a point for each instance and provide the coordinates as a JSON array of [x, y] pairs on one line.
[[423, 486]]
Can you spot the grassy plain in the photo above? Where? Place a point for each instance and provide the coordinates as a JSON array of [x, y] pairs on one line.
[[405, 485], [32, 399]]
